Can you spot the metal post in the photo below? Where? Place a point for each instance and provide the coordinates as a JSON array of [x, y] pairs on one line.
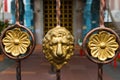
[[100, 72], [58, 75], [52, 69], [18, 70]]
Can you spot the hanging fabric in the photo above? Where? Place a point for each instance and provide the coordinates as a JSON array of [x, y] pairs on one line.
[[5, 5], [90, 16], [28, 16], [26, 13], [12, 12], [87, 17]]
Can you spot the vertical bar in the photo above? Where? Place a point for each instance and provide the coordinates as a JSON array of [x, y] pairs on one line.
[[52, 69], [100, 72], [17, 14], [58, 13], [18, 70], [58, 75], [102, 9]]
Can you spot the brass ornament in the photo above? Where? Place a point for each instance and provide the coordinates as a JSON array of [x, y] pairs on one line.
[[58, 46], [16, 42], [103, 45]]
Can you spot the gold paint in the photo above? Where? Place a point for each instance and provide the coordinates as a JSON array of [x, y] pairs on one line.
[[103, 45], [58, 46], [16, 42]]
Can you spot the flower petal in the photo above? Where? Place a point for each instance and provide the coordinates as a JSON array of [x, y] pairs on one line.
[[22, 49], [111, 52], [7, 41], [95, 52], [94, 41], [23, 36], [10, 34], [113, 45], [111, 38], [95, 38], [16, 52], [92, 45], [25, 43], [17, 31], [9, 48], [103, 36], [102, 56]]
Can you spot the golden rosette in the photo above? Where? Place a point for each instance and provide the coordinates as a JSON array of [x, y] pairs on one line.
[[103, 45], [16, 42]]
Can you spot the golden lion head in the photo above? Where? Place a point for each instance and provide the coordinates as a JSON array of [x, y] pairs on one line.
[[58, 46]]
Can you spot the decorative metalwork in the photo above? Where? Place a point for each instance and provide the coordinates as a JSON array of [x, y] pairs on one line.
[[16, 42], [17, 39], [58, 42], [58, 46], [103, 45]]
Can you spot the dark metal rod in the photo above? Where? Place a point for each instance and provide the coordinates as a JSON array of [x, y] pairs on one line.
[[102, 9], [58, 13], [100, 72], [53, 69], [58, 75], [18, 70], [17, 11]]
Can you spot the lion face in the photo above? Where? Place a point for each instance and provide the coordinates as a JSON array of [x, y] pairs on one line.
[[58, 46]]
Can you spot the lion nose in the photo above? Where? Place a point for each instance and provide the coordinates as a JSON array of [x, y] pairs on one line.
[[59, 49]]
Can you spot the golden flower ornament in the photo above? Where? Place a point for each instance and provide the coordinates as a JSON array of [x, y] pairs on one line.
[[103, 45], [16, 42], [58, 46]]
